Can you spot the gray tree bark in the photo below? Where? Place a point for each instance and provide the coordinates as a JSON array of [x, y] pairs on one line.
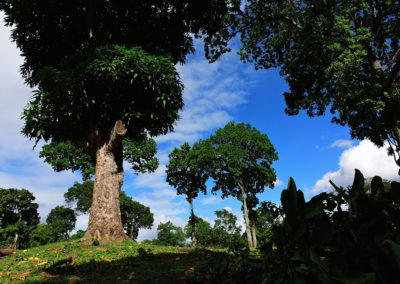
[[105, 216]]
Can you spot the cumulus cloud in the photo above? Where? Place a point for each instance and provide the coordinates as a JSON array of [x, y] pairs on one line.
[[366, 157]]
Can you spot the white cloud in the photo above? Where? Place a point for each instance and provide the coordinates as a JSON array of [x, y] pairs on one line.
[[366, 157], [341, 143], [211, 200], [278, 182]]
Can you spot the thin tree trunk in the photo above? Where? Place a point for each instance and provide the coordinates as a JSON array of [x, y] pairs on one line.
[[246, 217], [105, 215], [193, 235], [253, 231]]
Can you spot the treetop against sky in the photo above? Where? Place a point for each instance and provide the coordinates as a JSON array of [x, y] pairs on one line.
[[312, 150]]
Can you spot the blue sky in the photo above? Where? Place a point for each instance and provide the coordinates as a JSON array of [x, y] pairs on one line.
[[311, 150]]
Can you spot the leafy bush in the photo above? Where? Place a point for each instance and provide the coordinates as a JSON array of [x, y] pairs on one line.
[[348, 237]]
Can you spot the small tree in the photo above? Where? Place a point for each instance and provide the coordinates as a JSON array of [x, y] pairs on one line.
[[204, 232], [62, 220], [18, 217], [134, 216], [170, 235], [188, 179], [226, 231], [239, 160]]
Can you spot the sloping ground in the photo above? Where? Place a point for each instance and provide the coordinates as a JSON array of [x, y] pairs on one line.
[[127, 262]]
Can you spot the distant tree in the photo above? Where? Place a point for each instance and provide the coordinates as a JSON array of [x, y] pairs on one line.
[[170, 235], [102, 71], [239, 159], [18, 217], [78, 235], [188, 179], [134, 215], [41, 235], [82, 195], [204, 232], [226, 231], [341, 55], [62, 220]]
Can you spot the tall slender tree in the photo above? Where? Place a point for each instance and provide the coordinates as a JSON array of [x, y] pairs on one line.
[[240, 163], [188, 178], [104, 70]]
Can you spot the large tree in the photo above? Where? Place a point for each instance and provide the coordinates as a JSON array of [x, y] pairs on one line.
[[340, 55], [188, 178], [134, 215], [239, 159], [104, 70], [18, 216]]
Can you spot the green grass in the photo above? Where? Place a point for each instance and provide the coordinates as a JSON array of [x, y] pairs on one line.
[[114, 262]]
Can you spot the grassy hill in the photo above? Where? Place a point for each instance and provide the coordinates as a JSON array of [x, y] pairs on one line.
[[128, 262]]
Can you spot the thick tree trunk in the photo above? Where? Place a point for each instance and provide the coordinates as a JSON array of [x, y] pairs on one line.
[[246, 218], [193, 235], [105, 215], [253, 232]]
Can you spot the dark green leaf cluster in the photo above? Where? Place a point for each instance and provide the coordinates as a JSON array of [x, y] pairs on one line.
[[112, 83], [350, 236], [184, 174], [18, 216], [65, 156]]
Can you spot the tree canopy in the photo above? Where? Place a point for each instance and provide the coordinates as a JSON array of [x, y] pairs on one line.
[[336, 55], [18, 216], [188, 178], [62, 221]]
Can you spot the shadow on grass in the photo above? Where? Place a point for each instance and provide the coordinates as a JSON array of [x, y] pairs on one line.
[[191, 267]]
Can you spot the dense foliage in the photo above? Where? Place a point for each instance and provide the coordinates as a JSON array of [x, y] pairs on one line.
[[18, 216], [351, 236], [342, 55]]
